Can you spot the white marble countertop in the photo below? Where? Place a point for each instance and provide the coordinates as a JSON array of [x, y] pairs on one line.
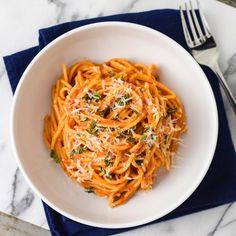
[[20, 21]]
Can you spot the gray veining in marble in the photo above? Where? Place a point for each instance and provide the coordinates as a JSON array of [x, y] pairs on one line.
[[230, 72], [18, 206], [60, 8], [131, 5], [2, 72], [75, 16], [228, 223], [212, 233], [231, 65]]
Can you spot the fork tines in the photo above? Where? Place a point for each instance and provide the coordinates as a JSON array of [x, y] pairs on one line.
[[196, 30]]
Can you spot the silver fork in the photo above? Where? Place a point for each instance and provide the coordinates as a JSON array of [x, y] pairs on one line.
[[202, 45]]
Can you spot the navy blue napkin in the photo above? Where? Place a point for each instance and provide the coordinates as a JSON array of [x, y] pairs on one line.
[[218, 186]]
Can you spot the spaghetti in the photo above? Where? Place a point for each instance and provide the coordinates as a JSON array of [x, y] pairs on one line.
[[112, 126]]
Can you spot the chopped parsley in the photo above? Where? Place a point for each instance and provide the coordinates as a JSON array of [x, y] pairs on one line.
[[89, 190], [130, 140], [96, 96], [85, 97], [126, 96], [121, 135], [116, 117], [148, 129], [105, 173], [103, 170], [101, 112], [108, 162], [108, 176], [124, 100], [80, 150], [92, 131], [171, 110], [77, 151], [139, 162], [110, 73], [86, 104], [54, 156], [84, 119], [93, 124], [120, 102], [143, 138]]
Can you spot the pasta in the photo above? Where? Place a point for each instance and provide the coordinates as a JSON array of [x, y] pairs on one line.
[[113, 126]]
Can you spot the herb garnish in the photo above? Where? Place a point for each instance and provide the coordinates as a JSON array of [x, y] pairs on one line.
[[80, 150], [108, 176], [103, 170], [92, 131], [124, 100], [120, 102], [143, 138], [171, 110], [130, 140], [96, 96], [121, 135], [54, 156], [139, 162], [116, 117], [84, 119], [110, 73], [77, 151], [101, 112], [105, 173], [126, 96], [85, 97], [93, 124], [108, 162], [89, 190]]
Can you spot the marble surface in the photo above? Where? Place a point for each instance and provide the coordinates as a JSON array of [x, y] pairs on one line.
[[20, 21]]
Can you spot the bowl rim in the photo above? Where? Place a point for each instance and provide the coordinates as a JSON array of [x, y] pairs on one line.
[[172, 206]]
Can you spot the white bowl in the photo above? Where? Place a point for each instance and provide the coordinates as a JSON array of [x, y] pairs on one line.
[[100, 42]]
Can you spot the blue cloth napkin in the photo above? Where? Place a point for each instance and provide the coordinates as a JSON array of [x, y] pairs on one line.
[[218, 186]]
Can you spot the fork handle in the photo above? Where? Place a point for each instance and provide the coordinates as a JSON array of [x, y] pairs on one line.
[[225, 86]]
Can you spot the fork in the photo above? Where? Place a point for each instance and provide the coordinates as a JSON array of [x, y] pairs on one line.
[[202, 44]]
